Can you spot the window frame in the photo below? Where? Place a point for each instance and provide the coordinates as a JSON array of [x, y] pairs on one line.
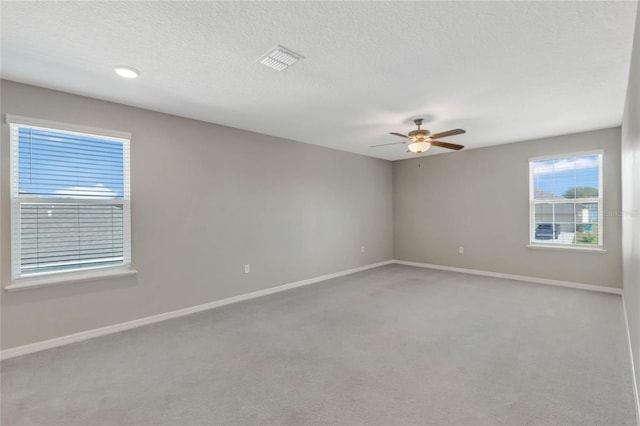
[[21, 280], [599, 200]]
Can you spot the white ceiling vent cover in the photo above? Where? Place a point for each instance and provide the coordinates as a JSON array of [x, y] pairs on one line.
[[280, 58]]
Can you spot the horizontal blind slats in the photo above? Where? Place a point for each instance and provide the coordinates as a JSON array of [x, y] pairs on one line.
[[71, 236], [62, 157], [67, 139], [70, 165], [50, 166]]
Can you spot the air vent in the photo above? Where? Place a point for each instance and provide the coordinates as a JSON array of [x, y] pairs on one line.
[[280, 58]]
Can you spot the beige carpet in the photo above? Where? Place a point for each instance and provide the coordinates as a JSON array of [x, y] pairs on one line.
[[395, 345]]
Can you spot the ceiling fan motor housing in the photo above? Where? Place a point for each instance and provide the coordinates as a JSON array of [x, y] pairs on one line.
[[418, 135]]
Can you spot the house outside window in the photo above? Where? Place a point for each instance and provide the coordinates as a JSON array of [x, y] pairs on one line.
[[565, 200], [70, 199]]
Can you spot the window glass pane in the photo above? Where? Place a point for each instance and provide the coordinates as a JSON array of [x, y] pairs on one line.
[[564, 178], [572, 177], [564, 212], [543, 180], [565, 220], [555, 223], [55, 164], [545, 229], [544, 213], [70, 236], [587, 176], [587, 224]]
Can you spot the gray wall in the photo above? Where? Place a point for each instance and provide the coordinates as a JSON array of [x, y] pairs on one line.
[[479, 199], [206, 199], [631, 201]]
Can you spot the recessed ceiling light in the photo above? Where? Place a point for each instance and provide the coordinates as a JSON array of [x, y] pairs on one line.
[[127, 72], [279, 58]]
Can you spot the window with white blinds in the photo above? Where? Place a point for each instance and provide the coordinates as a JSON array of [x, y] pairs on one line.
[[70, 199], [565, 195]]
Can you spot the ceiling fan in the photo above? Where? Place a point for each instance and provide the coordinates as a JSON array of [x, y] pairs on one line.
[[421, 140]]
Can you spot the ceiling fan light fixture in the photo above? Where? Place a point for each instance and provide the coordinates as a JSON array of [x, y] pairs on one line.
[[419, 147]]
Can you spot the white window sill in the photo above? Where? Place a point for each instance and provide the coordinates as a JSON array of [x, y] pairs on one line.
[[574, 249], [69, 277]]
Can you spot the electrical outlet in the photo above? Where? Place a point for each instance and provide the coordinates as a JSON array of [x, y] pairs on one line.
[[461, 250], [362, 249], [247, 268]]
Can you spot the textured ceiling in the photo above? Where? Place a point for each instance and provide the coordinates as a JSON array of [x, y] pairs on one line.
[[504, 71]]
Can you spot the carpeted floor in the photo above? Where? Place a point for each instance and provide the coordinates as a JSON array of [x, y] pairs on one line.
[[395, 345]]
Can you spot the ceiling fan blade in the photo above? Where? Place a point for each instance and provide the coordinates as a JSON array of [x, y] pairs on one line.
[[399, 134], [447, 133], [447, 145], [385, 144]]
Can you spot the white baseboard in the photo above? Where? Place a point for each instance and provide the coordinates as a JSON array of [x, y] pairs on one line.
[[636, 391], [536, 280], [89, 334]]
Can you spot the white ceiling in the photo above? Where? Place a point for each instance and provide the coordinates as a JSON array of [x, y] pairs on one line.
[[503, 71]]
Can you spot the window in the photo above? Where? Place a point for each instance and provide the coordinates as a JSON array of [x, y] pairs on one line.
[[69, 198], [565, 196]]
